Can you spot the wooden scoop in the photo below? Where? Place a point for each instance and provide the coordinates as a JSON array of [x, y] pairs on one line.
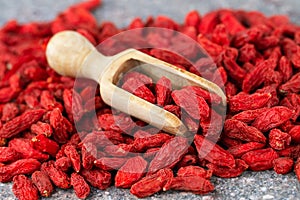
[[71, 54]]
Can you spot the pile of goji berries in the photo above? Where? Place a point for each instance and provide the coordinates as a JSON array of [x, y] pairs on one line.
[[258, 58]]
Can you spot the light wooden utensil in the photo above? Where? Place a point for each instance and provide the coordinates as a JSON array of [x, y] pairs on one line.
[[71, 54]]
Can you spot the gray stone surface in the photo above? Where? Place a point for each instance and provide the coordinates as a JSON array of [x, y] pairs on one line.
[[251, 185]]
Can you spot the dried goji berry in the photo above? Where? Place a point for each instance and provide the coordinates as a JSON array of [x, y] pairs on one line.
[[231, 22], [9, 111], [247, 53], [279, 140], [97, 178], [270, 89], [194, 171], [234, 70], [58, 122], [110, 122], [191, 124], [20, 123], [207, 95], [213, 152], [31, 101], [41, 128], [195, 105], [230, 89], [248, 116], [243, 101], [58, 177], [163, 89], [285, 68], [230, 142], [8, 154], [63, 163], [24, 189], [295, 134], [220, 77], [195, 184], [286, 126], [157, 140], [151, 184], [208, 22], [142, 134], [165, 22], [136, 75], [138, 88], [48, 101], [88, 155], [292, 102], [272, 118], [109, 164], [120, 150], [22, 166], [248, 66], [61, 152], [226, 172], [187, 160], [73, 155], [88, 5], [87, 93], [283, 165], [150, 153], [266, 42], [24, 148], [80, 186], [42, 183], [73, 104], [103, 138], [27, 135], [44, 144], [239, 130], [7, 94], [255, 78], [132, 171], [220, 35], [170, 153], [292, 85], [260, 159], [192, 18], [92, 104], [239, 150], [210, 47], [75, 139], [291, 151]]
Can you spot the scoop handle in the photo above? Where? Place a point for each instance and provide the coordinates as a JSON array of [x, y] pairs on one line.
[[71, 54]]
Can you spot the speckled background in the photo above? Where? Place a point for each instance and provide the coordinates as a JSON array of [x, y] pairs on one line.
[[251, 185]]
